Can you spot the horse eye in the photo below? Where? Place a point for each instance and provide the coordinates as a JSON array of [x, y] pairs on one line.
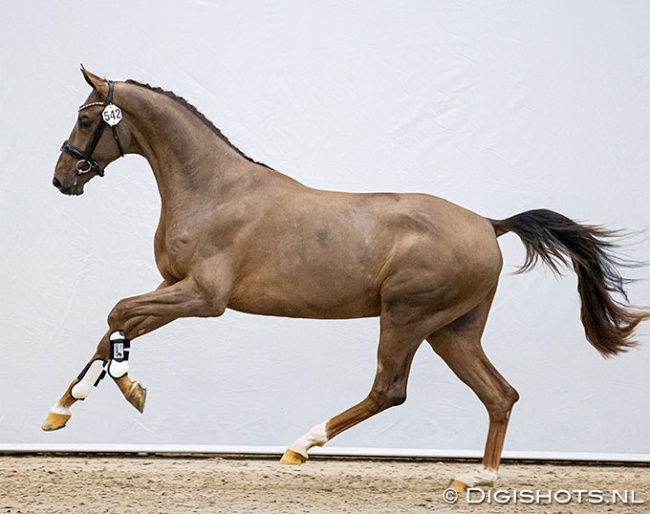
[[85, 123]]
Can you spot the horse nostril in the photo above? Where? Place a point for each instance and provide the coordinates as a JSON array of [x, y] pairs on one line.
[[56, 183]]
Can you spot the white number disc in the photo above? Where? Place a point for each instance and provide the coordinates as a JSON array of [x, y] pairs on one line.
[[112, 114]]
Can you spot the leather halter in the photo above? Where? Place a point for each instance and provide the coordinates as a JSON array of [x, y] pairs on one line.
[[86, 156]]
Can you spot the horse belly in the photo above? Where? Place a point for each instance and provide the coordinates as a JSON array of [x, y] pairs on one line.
[[317, 291]]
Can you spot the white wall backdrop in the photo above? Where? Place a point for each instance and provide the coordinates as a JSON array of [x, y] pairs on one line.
[[500, 106]]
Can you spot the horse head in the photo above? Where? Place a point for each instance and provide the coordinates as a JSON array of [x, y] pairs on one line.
[[89, 149]]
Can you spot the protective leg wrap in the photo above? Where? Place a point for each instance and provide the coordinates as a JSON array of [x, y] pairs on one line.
[[118, 366], [88, 378]]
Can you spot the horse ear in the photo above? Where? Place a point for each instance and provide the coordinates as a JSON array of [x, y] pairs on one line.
[[97, 83]]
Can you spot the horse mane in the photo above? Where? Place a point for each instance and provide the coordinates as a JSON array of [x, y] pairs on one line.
[[198, 114]]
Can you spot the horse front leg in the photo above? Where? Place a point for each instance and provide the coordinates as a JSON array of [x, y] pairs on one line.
[[394, 357], [129, 319], [111, 357]]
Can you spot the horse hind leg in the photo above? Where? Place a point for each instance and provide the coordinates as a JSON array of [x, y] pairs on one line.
[[459, 345], [395, 355]]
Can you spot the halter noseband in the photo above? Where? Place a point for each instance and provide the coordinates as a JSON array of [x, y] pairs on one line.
[[86, 156]]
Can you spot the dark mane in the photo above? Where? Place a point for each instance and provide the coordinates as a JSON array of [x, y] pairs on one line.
[[198, 114]]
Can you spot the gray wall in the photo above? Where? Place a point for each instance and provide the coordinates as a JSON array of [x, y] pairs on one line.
[[498, 106]]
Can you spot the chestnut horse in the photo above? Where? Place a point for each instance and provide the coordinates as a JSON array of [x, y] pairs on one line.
[[237, 234]]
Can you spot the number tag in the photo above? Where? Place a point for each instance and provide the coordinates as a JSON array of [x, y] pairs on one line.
[[112, 114], [118, 351]]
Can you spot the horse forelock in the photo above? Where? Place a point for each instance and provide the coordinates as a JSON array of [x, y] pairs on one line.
[[197, 113]]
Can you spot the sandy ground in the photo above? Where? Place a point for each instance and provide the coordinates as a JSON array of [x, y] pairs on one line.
[[154, 484]]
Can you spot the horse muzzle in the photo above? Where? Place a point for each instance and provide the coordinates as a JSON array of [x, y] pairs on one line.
[[75, 188]]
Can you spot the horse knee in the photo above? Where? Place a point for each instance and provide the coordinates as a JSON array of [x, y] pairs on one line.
[[117, 316]]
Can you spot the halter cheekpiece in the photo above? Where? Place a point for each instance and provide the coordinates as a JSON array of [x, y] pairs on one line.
[[110, 116]]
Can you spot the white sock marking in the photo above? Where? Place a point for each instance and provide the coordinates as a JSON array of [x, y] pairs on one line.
[[58, 409], [481, 476], [317, 436]]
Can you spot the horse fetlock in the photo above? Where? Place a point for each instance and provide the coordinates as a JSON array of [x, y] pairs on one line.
[[297, 452], [480, 476], [137, 396], [56, 418], [134, 392]]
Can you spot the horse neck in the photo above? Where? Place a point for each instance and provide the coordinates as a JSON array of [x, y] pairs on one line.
[[189, 160]]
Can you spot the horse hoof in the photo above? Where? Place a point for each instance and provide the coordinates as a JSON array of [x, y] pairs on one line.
[[458, 486], [55, 421], [292, 458], [137, 396]]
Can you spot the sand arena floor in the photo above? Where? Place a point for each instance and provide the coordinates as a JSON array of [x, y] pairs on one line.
[[153, 484]]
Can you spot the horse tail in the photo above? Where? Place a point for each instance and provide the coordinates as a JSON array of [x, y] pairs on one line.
[[556, 240]]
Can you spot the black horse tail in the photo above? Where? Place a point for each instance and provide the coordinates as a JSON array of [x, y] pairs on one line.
[[556, 240]]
